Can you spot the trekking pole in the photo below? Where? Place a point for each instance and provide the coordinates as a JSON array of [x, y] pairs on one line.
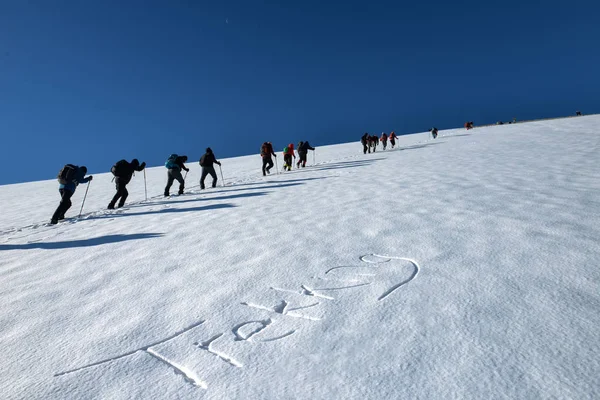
[[145, 187], [86, 190], [185, 175], [222, 180], [276, 167], [314, 162]]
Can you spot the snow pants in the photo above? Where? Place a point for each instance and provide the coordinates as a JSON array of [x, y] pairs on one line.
[[301, 160], [63, 206], [122, 193], [174, 174], [267, 165], [208, 171]]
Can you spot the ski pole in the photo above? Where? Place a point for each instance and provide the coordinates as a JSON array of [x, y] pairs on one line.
[[314, 162], [145, 187], [276, 167], [185, 175], [83, 202], [222, 180]]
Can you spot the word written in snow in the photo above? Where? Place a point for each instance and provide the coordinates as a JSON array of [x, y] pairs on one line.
[[245, 331]]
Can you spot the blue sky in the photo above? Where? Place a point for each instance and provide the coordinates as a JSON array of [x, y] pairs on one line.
[[91, 82]]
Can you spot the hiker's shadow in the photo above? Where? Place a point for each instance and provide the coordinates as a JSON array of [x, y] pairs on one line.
[[228, 197], [346, 164], [167, 210], [97, 241]]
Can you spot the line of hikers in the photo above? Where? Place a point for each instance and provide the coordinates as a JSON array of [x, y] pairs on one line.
[[372, 141], [70, 176], [267, 153]]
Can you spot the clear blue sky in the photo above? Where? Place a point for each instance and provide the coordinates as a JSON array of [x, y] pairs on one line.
[[91, 82]]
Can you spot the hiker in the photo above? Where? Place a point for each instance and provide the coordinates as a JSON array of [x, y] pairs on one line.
[[288, 152], [303, 148], [393, 138], [207, 161], [373, 142], [384, 139], [365, 142], [266, 151], [69, 177], [174, 166], [434, 132], [578, 113], [123, 171]]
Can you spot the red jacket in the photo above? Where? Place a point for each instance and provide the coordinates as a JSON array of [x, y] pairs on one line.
[[290, 149]]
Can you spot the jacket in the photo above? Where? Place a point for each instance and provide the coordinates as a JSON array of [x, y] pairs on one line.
[[79, 178], [266, 150], [304, 148], [208, 159]]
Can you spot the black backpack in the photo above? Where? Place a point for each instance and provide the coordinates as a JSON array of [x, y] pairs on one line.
[[68, 174], [119, 168]]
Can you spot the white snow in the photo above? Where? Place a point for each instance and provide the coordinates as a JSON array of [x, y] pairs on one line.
[[462, 267]]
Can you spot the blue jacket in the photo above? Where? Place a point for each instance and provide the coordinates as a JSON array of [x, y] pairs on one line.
[[80, 178]]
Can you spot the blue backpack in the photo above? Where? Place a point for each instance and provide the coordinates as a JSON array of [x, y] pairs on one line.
[[170, 164]]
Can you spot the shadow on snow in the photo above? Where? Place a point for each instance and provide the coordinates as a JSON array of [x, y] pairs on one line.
[[97, 241], [166, 210]]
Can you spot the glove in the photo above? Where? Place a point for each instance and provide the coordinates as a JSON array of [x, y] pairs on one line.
[[143, 165], [91, 177]]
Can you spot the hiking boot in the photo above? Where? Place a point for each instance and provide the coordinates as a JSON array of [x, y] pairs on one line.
[[110, 207], [53, 222]]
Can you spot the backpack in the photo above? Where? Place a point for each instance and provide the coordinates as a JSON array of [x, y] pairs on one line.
[[68, 174], [170, 163], [286, 149], [119, 168], [266, 149], [203, 162]]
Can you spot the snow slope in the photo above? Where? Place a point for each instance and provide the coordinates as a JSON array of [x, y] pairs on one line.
[[465, 267]]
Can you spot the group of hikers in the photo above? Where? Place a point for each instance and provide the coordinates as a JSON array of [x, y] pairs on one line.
[[267, 153], [370, 142], [70, 176]]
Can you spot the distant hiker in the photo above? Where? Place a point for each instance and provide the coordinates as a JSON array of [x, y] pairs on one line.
[[365, 142], [514, 120], [266, 151], [206, 162], [578, 113], [384, 139], [174, 166], [499, 123], [288, 152], [393, 138], [303, 148], [123, 171], [69, 177], [434, 132], [373, 142]]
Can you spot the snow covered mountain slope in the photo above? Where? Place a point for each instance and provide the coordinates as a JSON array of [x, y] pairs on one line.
[[461, 267]]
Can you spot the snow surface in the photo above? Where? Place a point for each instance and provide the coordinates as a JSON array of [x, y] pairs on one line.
[[461, 267]]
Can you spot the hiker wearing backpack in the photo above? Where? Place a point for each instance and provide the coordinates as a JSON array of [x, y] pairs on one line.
[[373, 142], [174, 166], [384, 139], [393, 138], [365, 142], [303, 148], [69, 177], [123, 171], [206, 162], [288, 152], [266, 151], [434, 132]]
